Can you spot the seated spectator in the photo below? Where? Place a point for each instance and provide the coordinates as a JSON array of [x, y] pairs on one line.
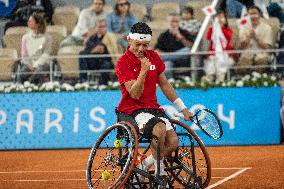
[[219, 35], [85, 24], [24, 10], [100, 42], [120, 22], [36, 49], [258, 36], [188, 22], [177, 41], [234, 7]]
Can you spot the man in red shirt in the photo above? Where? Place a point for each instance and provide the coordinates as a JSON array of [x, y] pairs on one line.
[[139, 70]]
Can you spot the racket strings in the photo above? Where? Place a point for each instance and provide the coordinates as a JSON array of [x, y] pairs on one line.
[[209, 124]]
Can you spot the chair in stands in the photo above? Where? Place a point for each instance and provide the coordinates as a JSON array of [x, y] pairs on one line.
[[58, 33], [197, 6], [13, 37], [67, 16], [69, 65], [161, 10], [139, 10], [8, 56]]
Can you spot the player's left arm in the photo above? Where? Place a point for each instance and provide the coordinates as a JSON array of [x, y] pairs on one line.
[[171, 95]]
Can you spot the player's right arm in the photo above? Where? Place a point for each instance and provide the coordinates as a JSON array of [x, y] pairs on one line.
[[136, 87]]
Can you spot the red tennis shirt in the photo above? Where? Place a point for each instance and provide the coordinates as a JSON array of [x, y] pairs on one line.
[[128, 68]]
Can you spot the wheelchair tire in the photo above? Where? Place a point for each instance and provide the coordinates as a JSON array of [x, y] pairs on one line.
[[112, 158], [192, 156]]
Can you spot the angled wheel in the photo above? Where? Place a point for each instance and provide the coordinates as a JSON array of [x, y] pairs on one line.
[[112, 158], [190, 166]]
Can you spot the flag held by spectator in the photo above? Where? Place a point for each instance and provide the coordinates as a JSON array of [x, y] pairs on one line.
[[209, 10], [245, 20]]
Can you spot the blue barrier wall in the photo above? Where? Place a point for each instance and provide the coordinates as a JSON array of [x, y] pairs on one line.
[[75, 119]]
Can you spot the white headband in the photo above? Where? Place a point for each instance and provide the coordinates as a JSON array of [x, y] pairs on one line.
[[140, 37]]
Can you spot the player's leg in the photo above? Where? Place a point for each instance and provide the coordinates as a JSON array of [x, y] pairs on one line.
[[171, 142]]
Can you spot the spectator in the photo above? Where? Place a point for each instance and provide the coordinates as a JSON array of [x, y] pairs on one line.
[[177, 41], [25, 8], [85, 24], [120, 22], [36, 49], [234, 7], [188, 22], [258, 36], [219, 35], [100, 42]]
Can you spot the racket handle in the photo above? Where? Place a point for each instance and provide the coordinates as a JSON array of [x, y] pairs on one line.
[[179, 115]]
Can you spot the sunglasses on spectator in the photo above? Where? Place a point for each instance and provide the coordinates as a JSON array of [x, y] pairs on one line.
[[122, 4]]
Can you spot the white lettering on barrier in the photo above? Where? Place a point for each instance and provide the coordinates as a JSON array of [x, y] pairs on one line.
[[21, 123], [54, 123], [76, 120], [230, 120], [3, 117], [98, 119]]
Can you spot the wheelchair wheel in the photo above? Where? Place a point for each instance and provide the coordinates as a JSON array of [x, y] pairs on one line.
[[112, 158], [191, 167]]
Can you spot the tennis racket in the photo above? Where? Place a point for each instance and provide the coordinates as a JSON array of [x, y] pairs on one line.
[[207, 121]]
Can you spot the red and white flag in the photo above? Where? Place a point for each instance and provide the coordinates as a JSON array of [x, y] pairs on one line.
[[245, 20], [209, 10]]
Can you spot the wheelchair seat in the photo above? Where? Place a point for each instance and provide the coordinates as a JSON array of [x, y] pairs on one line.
[[121, 116]]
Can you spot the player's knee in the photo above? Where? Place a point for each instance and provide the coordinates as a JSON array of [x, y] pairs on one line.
[[159, 130]]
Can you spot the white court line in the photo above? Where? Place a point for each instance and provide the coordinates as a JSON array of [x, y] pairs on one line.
[[228, 178]]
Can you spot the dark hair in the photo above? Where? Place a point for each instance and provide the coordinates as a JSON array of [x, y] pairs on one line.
[[256, 8], [40, 21], [225, 15], [141, 27], [104, 2], [188, 9], [116, 8]]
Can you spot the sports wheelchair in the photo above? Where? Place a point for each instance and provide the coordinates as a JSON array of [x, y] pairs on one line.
[[113, 159]]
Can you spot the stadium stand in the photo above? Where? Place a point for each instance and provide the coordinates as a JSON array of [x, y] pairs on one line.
[[161, 10], [139, 10], [8, 57], [58, 33], [62, 13], [69, 66], [13, 37]]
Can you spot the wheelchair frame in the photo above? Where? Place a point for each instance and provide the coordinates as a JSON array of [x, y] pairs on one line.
[[183, 168]]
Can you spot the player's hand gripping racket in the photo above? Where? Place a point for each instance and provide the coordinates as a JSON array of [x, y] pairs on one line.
[[207, 121]]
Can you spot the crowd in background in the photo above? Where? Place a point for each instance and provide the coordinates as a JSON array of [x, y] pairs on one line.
[[103, 33]]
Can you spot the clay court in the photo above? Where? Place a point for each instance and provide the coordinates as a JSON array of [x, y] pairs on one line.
[[232, 167]]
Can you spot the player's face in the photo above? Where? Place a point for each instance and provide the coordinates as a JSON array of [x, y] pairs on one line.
[[138, 48]]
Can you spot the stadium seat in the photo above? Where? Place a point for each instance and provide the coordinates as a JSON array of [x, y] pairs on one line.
[[7, 58], [160, 11], [108, 8], [69, 66], [13, 37], [58, 33], [67, 16], [275, 26], [139, 10], [197, 6]]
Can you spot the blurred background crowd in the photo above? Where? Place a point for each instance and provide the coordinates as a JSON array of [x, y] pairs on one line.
[[80, 41]]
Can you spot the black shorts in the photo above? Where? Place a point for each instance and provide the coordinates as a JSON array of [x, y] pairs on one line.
[[147, 118]]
